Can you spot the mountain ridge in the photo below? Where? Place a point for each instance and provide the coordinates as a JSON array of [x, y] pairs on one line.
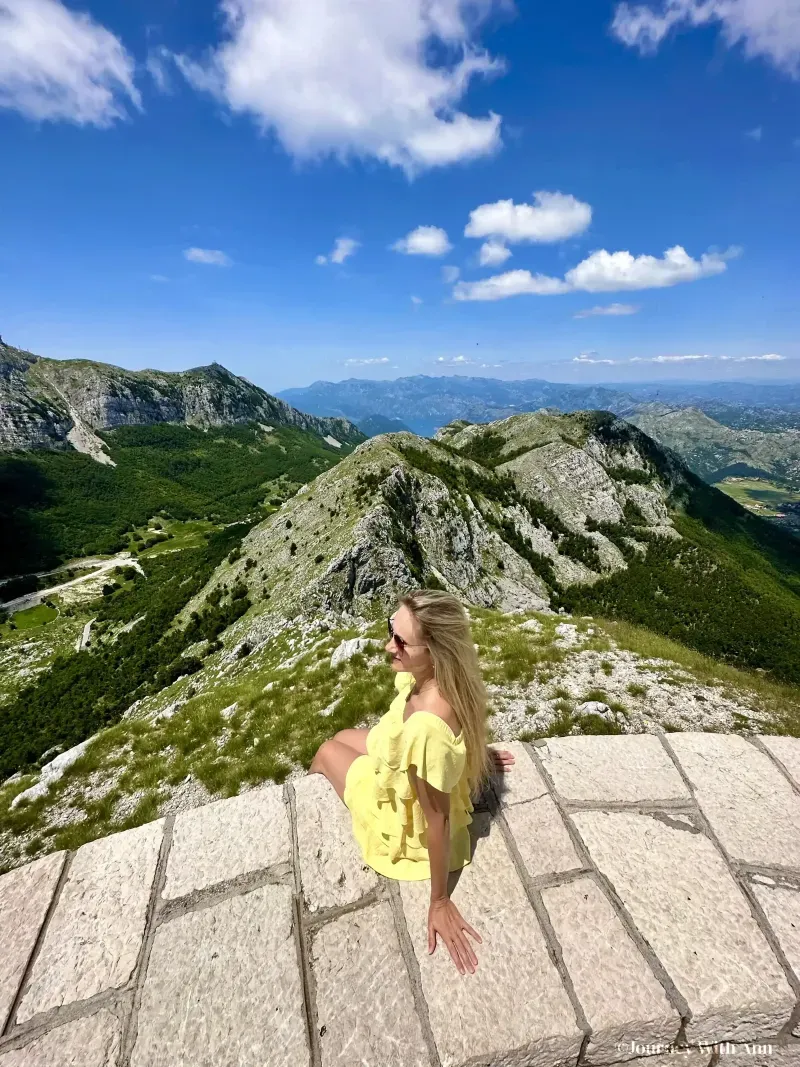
[[58, 404]]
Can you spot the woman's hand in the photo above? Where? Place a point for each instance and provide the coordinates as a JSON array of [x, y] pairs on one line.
[[502, 759], [445, 919]]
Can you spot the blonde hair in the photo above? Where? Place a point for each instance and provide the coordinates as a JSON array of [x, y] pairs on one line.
[[447, 632]]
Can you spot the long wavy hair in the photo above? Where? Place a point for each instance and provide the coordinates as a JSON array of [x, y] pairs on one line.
[[446, 630]]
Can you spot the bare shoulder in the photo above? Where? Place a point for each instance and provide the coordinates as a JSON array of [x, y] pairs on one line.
[[442, 708]]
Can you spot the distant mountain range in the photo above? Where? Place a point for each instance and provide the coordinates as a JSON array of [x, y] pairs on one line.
[[717, 428]]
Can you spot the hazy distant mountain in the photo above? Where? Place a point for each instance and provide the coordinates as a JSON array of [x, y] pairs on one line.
[[715, 451], [426, 403]]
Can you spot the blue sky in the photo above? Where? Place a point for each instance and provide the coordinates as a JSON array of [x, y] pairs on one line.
[[174, 171]]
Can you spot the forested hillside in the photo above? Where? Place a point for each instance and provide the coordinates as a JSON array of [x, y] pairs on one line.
[[59, 505]]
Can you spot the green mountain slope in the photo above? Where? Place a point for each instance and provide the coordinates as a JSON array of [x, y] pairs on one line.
[[60, 505]]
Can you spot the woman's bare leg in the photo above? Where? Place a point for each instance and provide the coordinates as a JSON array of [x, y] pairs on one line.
[[356, 739], [333, 759]]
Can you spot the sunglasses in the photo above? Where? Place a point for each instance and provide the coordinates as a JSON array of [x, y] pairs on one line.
[[401, 643]]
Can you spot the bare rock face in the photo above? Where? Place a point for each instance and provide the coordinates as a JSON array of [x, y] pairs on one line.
[[47, 403], [549, 500]]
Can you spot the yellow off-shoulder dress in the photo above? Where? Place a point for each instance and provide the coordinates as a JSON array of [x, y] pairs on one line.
[[388, 821]]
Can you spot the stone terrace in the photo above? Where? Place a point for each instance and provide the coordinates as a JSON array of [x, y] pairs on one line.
[[633, 893]]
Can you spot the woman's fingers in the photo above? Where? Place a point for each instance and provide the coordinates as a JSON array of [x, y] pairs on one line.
[[465, 926]]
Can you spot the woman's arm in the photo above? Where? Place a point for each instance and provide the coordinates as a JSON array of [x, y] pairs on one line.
[[444, 917]]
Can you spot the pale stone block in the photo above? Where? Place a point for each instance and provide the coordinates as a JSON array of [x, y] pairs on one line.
[[93, 1041], [25, 896], [481, 1014], [94, 936], [220, 841], [684, 901], [541, 837], [332, 869], [223, 988], [750, 805], [622, 999], [781, 904], [623, 768], [787, 750], [365, 1006], [522, 780], [678, 1057]]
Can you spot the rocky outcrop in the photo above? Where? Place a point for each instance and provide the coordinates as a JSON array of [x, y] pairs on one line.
[[401, 511], [47, 403]]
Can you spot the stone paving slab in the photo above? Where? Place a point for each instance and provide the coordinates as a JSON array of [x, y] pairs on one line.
[[223, 988], [94, 936], [781, 904], [685, 902], [223, 840], [787, 750], [541, 837], [365, 1005], [93, 1041], [523, 782], [480, 1014], [332, 869], [622, 999], [689, 1057], [750, 805], [627, 768], [25, 896]]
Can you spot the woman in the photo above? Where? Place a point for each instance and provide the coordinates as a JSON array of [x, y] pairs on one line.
[[409, 781]]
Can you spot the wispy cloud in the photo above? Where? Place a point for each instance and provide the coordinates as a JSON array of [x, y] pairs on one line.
[[463, 361], [416, 300], [209, 257], [608, 309], [592, 357], [451, 274], [755, 134], [366, 362], [343, 248], [767, 28], [57, 64], [159, 278]]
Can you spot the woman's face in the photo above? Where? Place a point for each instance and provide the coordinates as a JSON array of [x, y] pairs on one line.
[[409, 653]]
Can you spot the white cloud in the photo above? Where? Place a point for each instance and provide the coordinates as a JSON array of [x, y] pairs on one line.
[[512, 283], [450, 275], [552, 217], [210, 257], [589, 357], [608, 272], [158, 63], [424, 241], [463, 361], [356, 77], [755, 134], [366, 362], [158, 278], [416, 300], [601, 272], [766, 28], [343, 248], [58, 64], [493, 253], [607, 309]]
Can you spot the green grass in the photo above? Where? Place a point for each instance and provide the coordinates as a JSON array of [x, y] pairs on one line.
[[31, 618], [758, 494]]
